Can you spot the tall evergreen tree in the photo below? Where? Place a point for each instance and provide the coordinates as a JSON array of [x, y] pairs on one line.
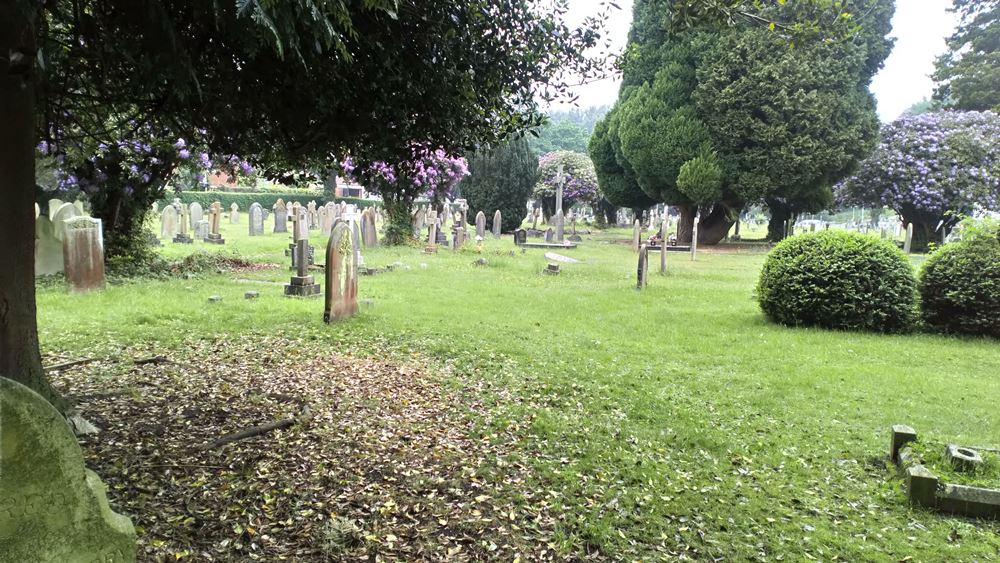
[[968, 75], [501, 177]]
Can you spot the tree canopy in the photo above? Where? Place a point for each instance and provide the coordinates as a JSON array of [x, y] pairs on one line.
[[968, 75], [501, 177], [787, 117]]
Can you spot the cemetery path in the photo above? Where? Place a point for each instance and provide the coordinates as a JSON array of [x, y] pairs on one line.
[[392, 463]]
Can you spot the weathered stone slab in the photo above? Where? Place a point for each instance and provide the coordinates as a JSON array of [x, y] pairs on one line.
[[970, 501], [48, 249], [560, 258], [52, 508], [83, 253]]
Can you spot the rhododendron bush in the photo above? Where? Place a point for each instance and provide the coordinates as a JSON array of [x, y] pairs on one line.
[[930, 168]]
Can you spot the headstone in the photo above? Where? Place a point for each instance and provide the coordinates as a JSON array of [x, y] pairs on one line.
[[83, 254], [341, 274], [156, 207], [280, 217], [196, 212], [368, 231], [497, 224], [432, 232], [908, 241], [459, 238], [48, 249], [168, 223], [80, 208], [694, 236], [302, 284], [560, 226], [636, 234], [561, 258], [642, 272], [549, 235], [663, 246], [53, 507], [215, 218], [256, 220], [332, 212], [59, 217], [234, 214], [201, 230], [520, 236], [54, 204], [480, 225]]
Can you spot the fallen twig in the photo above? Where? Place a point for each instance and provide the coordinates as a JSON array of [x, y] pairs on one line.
[[65, 365], [304, 415]]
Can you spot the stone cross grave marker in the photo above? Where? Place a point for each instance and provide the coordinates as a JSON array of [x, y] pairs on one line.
[[560, 219], [182, 225], [302, 284], [341, 274], [83, 254], [214, 219]]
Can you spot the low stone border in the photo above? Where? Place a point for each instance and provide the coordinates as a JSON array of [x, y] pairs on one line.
[[926, 490]]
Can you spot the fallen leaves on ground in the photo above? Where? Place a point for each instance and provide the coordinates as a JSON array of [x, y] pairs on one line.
[[391, 465]]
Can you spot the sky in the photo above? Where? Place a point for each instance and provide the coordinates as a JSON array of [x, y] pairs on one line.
[[919, 27]]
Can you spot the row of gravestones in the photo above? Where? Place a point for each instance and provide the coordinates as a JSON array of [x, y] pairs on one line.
[[177, 218], [68, 241], [435, 227]]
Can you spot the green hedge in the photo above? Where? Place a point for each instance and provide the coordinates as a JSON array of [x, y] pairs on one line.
[[266, 200], [839, 280], [960, 288]]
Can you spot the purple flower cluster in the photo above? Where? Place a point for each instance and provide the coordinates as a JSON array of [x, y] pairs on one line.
[[930, 164], [428, 171]]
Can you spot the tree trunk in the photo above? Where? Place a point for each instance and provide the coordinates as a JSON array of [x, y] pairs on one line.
[[20, 359], [330, 186], [399, 228], [780, 214], [713, 227], [923, 234]]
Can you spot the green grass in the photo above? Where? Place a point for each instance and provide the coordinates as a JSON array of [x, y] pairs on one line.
[[660, 421]]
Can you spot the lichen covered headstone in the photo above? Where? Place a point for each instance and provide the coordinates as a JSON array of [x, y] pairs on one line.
[[51, 507]]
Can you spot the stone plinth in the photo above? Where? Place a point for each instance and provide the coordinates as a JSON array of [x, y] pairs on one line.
[[302, 286]]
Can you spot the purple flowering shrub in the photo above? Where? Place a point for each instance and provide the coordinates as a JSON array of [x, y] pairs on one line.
[[580, 181], [429, 172], [122, 179], [931, 166]]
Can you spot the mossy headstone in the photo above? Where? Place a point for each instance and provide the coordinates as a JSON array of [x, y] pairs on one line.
[[51, 507]]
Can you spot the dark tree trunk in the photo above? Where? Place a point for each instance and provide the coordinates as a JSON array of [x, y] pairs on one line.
[[776, 226], [20, 359], [923, 234], [330, 186], [399, 227], [713, 227]]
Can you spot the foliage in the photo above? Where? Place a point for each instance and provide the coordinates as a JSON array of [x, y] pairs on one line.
[[560, 135], [786, 122], [960, 286], [578, 178], [429, 172], [838, 280], [503, 178], [700, 179], [929, 166], [968, 75], [616, 181]]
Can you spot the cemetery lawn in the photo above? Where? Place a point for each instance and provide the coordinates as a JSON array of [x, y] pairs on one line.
[[672, 423]]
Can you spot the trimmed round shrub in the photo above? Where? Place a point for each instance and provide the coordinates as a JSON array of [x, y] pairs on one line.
[[839, 280], [960, 288]]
